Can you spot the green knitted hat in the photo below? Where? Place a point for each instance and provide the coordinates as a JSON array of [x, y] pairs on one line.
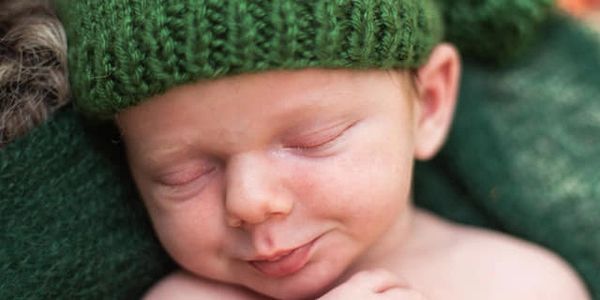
[[122, 52]]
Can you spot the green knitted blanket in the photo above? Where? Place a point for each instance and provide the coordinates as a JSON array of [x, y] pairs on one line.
[[70, 225], [521, 158]]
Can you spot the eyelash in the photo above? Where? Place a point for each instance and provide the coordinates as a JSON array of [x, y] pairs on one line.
[[321, 144], [315, 146], [180, 183]]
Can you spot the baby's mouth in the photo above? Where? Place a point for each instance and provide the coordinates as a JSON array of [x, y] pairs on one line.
[[284, 263]]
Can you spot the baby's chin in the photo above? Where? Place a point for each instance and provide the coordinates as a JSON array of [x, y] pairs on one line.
[[306, 285]]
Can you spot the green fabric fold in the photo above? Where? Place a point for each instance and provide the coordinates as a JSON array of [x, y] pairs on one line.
[[71, 225]]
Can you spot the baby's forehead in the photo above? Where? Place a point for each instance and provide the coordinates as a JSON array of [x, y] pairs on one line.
[[305, 83], [263, 102]]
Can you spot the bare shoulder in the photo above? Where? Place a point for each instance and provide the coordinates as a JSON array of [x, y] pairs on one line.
[[180, 285], [528, 271], [462, 262]]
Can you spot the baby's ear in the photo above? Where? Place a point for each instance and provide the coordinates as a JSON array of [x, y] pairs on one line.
[[437, 87]]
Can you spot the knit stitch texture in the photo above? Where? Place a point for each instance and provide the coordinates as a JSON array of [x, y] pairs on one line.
[[71, 225], [494, 31], [123, 51]]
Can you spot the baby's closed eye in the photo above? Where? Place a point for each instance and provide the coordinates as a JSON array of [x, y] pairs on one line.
[[317, 141], [186, 175], [182, 181]]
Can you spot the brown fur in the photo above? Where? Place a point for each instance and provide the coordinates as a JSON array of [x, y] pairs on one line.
[[33, 66]]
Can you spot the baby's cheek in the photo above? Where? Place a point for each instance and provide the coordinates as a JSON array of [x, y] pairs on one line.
[[349, 187], [378, 195], [193, 233]]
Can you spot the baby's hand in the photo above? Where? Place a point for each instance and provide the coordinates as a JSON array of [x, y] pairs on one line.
[[374, 284]]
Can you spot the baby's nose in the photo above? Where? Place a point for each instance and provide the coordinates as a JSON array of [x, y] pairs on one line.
[[254, 192]]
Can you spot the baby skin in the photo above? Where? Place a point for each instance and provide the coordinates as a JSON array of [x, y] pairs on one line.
[[296, 185]]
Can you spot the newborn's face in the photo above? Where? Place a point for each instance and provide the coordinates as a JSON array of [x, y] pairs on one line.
[[277, 181]]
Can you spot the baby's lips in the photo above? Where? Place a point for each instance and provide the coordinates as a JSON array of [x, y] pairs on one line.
[[285, 263]]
